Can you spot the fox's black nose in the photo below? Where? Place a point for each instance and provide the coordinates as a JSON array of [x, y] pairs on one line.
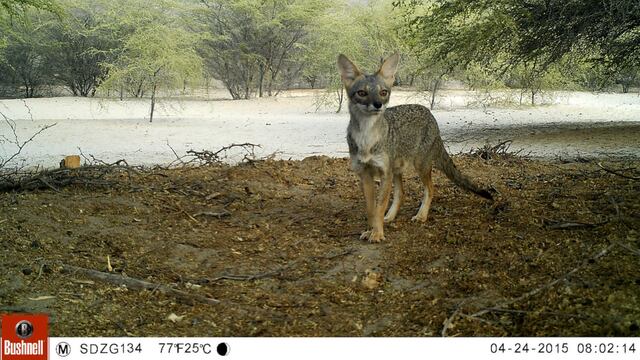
[[377, 105]]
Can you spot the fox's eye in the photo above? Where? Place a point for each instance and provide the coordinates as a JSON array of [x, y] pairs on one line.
[[384, 93], [362, 93]]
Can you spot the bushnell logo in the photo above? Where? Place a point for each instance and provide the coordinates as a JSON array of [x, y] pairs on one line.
[[25, 337], [24, 329]]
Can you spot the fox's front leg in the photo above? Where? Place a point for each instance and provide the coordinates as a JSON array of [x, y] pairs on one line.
[[376, 206], [369, 190]]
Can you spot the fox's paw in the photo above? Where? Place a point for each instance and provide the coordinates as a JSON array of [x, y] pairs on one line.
[[372, 235], [389, 218], [419, 218]]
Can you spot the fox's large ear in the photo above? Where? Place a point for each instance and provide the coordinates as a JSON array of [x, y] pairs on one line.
[[389, 68], [348, 70]]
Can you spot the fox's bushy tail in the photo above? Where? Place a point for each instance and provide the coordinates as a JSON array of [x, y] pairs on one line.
[[444, 163]]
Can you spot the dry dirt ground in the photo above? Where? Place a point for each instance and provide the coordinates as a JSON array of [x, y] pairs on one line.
[[271, 248]]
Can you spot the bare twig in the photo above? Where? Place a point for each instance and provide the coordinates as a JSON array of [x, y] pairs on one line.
[[137, 284], [186, 213], [15, 141], [178, 157], [548, 285], [215, 157], [258, 276], [219, 214], [488, 152], [93, 175], [447, 323], [550, 313], [553, 225], [610, 171], [279, 270], [628, 248]]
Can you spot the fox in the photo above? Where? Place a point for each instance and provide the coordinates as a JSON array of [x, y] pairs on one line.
[[385, 141]]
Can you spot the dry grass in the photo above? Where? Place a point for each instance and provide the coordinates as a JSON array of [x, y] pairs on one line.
[[276, 242]]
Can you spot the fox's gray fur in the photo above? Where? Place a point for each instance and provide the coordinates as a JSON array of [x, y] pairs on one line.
[[384, 141]]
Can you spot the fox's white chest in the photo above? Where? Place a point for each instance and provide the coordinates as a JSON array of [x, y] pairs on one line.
[[366, 136]]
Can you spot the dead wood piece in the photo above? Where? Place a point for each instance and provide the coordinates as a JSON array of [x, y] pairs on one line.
[[180, 209], [628, 248], [618, 173], [137, 284], [207, 157], [249, 277], [568, 225], [548, 285], [219, 214], [55, 179], [502, 149], [502, 307], [550, 313], [279, 270], [447, 323]]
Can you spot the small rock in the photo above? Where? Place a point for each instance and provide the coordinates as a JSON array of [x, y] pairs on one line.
[[372, 279], [175, 318]]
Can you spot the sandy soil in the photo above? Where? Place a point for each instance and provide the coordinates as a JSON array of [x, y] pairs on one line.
[[290, 126]]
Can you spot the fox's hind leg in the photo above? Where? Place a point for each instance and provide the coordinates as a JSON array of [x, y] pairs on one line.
[[397, 198], [423, 212]]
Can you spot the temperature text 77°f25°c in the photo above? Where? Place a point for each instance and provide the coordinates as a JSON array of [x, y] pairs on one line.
[[185, 348]]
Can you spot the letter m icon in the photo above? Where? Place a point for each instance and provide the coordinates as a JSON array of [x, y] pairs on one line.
[[63, 349]]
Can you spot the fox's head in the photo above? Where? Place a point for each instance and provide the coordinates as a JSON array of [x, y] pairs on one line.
[[368, 94]]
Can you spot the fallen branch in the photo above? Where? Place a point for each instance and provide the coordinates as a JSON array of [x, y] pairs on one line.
[[137, 284], [550, 313], [219, 215], [488, 152], [447, 323], [628, 248], [571, 225], [501, 307], [207, 157], [58, 178], [277, 271], [548, 285], [249, 277], [614, 172]]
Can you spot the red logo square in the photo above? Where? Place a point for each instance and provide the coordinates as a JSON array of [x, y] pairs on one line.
[[25, 337]]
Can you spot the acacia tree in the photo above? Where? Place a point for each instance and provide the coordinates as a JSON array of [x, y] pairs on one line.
[[257, 46], [229, 47], [16, 7], [81, 41], [366, 33], [23, 63], [287, 26], [506, 34], [158, 56], [323, 49]]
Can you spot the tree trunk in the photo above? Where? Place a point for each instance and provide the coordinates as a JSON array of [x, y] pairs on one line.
[[340, 94], [436, 85], [533, 97], [625, 88], [521, 96], [261, 73], [153, 101]]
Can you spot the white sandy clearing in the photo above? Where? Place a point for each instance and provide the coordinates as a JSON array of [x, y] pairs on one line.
[[573, 124]]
